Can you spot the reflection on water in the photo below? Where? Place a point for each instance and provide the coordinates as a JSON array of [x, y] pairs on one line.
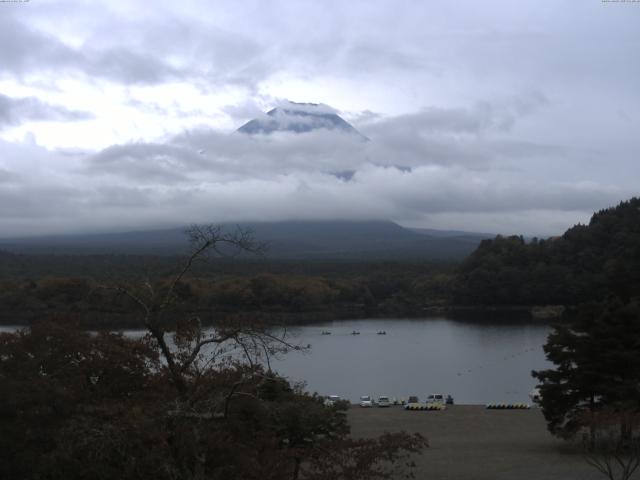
[[9, 328], [475, 363]]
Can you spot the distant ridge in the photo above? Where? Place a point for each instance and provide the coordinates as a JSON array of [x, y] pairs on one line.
[[290, 239], [300, 118], [452, 233]]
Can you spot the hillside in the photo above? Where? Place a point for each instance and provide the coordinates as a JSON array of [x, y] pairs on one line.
[[365, 240], [587, 262]]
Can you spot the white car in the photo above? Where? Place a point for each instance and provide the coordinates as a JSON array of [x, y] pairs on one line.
[[366, 401], [384, 401], [535, 396], [436, 398], [331, 400]]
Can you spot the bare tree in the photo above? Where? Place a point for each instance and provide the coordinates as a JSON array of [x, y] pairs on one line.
[[184, 355], [189, 350]]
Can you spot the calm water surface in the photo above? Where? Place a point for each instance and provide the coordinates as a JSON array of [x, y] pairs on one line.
[[475, 363]]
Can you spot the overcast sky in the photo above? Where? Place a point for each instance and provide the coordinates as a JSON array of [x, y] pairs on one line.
[[492, 116]]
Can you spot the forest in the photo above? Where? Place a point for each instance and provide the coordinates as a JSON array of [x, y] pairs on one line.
[[34, 286], [587, 262]]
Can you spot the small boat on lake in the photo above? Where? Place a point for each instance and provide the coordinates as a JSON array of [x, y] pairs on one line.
[[326, 332], [382, 332], [355, 332]]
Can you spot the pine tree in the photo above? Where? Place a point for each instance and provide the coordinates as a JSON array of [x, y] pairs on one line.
[[596, 352]]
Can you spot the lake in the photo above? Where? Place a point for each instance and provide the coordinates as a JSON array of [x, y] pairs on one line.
[[475, 362]]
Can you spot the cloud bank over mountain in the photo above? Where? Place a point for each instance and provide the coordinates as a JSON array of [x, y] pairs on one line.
[[419, 169], [494, 118], [300, 118]]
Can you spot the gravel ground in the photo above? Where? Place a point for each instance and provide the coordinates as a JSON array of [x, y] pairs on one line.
[[470, 442]]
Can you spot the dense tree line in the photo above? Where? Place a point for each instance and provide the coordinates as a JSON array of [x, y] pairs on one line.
[[280, 296], [104, 266], [587, 262]]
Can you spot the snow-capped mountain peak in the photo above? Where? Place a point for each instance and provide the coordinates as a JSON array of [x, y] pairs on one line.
[[299, 118]]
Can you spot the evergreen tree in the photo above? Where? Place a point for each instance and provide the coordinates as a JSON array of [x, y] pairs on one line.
[[596, 352]]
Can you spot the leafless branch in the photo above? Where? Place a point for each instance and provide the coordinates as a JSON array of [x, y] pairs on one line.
[[196, 349]]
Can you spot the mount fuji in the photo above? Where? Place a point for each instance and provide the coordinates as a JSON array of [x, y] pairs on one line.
[[300, 118]]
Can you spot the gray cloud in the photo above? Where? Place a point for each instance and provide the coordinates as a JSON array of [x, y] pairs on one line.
[[244, 110], [126, 66], [148, 163], [14, 111], [7, 177], [36, 52], [483, 116], [203, 175], [30, 50], [374, 192], [133, 51], [416, 45]]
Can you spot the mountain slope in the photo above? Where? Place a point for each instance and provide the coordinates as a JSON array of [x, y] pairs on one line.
[[299, 118], [471, 237], [293, 239]]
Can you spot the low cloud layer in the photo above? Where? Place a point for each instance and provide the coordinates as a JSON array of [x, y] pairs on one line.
[[14, 111], [504, 117], [453, 168]]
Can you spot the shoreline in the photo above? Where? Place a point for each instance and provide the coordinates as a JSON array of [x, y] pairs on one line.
[[101, 320]]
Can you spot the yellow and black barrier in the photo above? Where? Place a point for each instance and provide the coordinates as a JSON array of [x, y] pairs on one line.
[[508, 406], [423, 406]]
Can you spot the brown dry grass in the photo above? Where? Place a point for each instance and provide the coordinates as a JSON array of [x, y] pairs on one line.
[[470, 442]]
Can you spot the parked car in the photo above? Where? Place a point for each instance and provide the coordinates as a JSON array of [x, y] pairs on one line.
[[366, 401], [436, 398], [384, 401], [331, 400], [535, 396]]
